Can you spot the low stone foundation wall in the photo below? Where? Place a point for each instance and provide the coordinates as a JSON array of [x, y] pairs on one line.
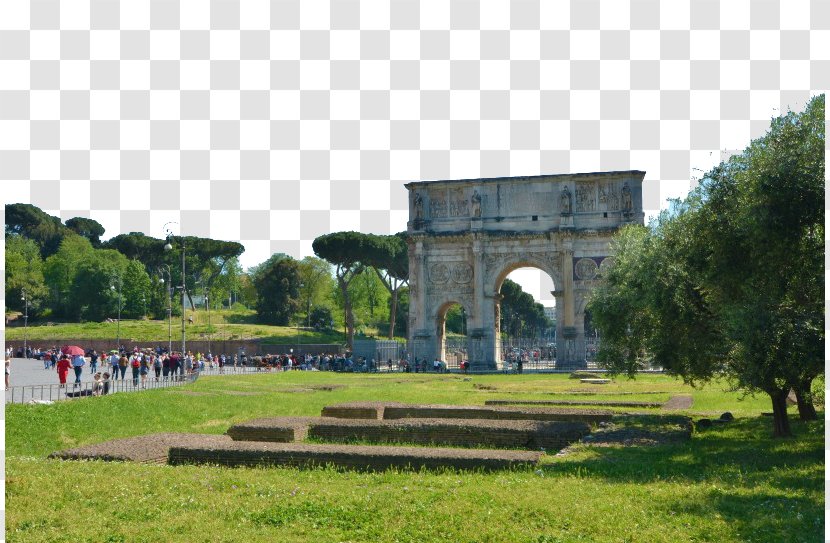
[[611, 403], [380, 410], [357, 410], [279, 430], [371, 458], [472, 433]]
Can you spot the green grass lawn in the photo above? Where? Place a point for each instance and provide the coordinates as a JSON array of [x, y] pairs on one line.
[[224, 325], [729, 483]]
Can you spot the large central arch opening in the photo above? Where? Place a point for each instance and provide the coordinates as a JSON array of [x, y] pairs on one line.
[[525, 317]]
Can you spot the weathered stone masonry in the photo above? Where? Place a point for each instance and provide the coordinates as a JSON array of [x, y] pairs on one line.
[[466, 236]]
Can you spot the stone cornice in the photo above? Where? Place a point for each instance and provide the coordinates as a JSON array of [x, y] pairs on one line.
[[527, 179]]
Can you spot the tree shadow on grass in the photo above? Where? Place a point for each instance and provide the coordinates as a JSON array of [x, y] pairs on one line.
[[757, 516], [740, 453], [241, 318]]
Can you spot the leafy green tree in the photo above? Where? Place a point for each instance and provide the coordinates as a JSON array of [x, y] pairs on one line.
[[88, 228], [321, 318], [317, 285], [24, 273], [33, 223], [94, 293], [60, 269], [136, 291], [205, 259], [521, 315], [402, 317], [456, 320], [729, 281], [369, 296], [227, 285], [342, 249], [388, 256], [277, 283]]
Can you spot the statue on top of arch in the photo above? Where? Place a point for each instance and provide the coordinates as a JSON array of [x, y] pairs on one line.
[[565, 203], [627, 203], [418, 202], [476, 204]]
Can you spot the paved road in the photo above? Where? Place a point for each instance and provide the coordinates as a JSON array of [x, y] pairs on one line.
[[30, 381], [25, 372]]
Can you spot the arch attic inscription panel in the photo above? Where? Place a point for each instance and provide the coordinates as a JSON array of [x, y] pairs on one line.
[[467, 235]]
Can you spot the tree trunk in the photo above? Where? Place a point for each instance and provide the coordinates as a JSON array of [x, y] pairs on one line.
[[780, 421], [806, 409], [393, 309], [347, 308]]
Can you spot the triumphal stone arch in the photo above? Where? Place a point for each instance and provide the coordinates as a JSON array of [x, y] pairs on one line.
[[466, 236]]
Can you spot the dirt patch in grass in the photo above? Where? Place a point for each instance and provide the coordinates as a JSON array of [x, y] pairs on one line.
[[151, 448], [239, 393], [191, 393], [326, 388], [594, 392], [296, 391], [479, 386], [682, 401]]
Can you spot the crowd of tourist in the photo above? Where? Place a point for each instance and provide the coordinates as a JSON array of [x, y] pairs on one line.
[[137, 366]]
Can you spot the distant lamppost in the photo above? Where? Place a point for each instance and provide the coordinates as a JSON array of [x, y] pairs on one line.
[[207, 304], [169, 285], [169, 247], [298, 328], [25, 322], [118, 322]]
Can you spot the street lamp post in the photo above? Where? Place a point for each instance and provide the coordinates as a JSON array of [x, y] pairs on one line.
[[168, 247], [298, 327], [169, 286], [118, 322], [25, 323]]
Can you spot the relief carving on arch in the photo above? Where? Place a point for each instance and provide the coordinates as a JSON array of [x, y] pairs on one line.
[[450, 276], [609, 197], [585, 197]]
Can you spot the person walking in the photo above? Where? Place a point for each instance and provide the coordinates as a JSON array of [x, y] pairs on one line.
[[135, 364], [8, 370], [157, 367], [113, 361], [78, 363], [123, 362], [144, 370], [93, 362], [63, 369]]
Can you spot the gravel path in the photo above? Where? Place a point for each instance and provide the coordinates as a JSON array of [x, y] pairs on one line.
[[151, 448]]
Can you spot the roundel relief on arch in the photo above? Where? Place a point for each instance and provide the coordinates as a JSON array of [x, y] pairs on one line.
[[459, 273], [589, 268]]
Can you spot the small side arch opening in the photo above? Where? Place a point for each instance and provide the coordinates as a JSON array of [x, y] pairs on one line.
[[451, 331]]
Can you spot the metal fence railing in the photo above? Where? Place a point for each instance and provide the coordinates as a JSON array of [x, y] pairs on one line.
[[69, 391]]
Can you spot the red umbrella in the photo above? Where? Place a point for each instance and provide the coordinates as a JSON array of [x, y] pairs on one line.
[[72, 350]]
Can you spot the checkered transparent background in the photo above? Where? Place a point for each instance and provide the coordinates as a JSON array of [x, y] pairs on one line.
[[272, 122]]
